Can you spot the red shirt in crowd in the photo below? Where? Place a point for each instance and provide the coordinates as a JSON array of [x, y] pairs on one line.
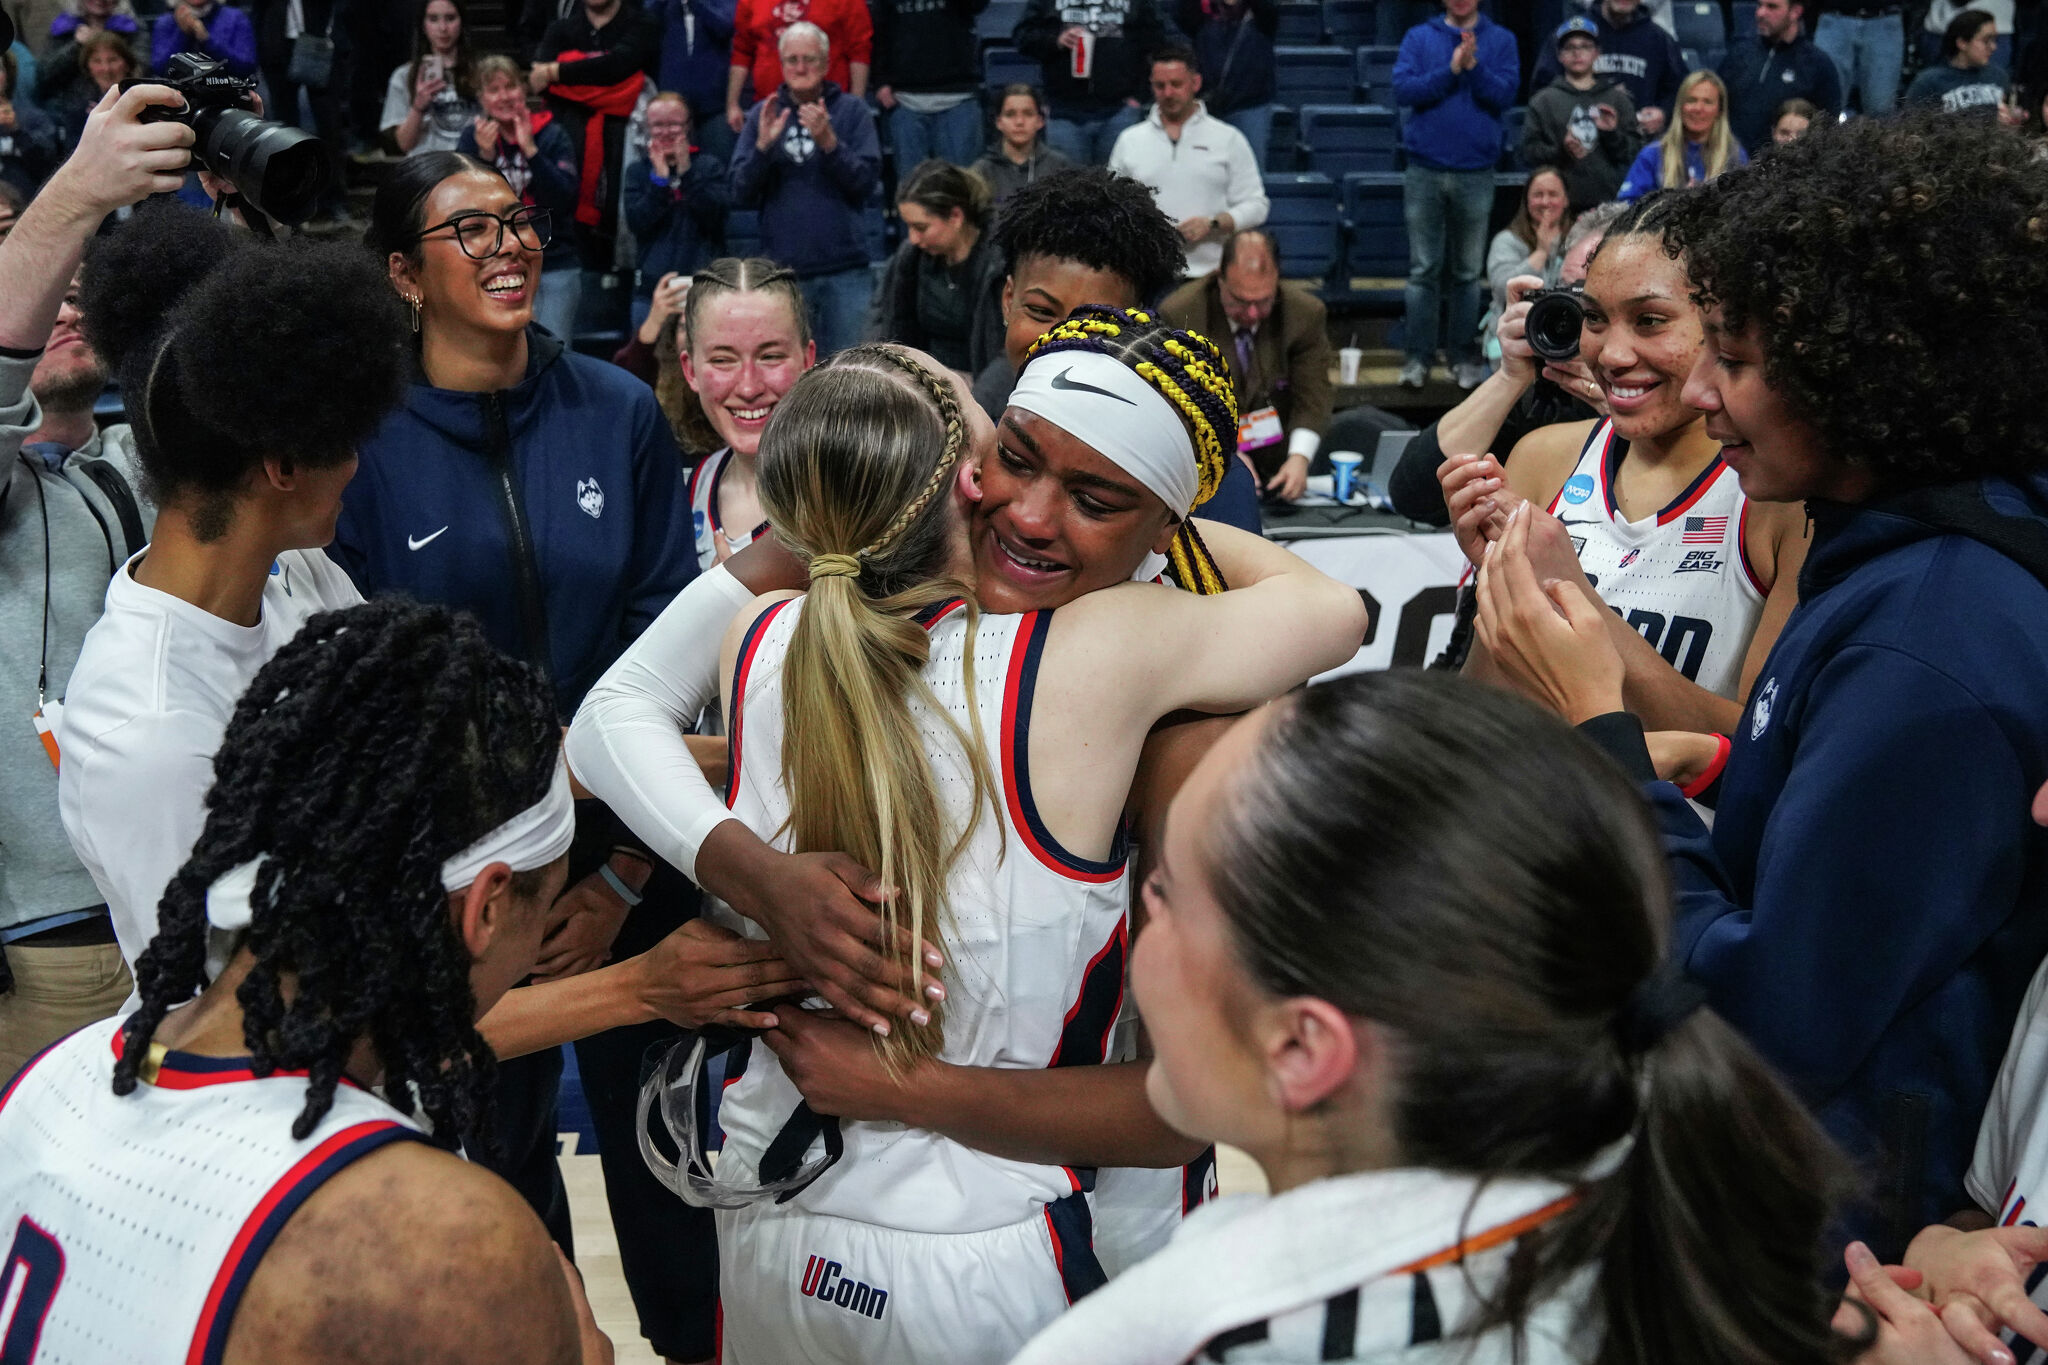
[[758, 25]]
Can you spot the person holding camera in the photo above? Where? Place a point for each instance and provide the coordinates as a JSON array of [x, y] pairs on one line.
[[432, 98], [1700, 579]]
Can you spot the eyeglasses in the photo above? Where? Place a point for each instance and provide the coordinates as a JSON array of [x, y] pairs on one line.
[[482, 235]]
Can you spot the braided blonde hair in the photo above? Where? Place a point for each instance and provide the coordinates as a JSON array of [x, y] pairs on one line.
[[854, 475], [1188, 371]]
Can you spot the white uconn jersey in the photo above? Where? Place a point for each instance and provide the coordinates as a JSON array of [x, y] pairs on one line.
[[715, 541], [1680, 578], [133, 1223], [1036, 939]]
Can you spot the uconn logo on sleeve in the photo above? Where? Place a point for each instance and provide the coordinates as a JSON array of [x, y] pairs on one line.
[[826, 1280]]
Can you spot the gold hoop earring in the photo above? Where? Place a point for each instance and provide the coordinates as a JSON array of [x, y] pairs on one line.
[[414, 300]]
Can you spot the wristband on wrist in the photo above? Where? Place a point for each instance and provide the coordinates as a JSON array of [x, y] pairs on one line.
[[618, 885]]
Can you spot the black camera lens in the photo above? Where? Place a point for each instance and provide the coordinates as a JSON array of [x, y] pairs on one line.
[[280, 170], [1555, 319]]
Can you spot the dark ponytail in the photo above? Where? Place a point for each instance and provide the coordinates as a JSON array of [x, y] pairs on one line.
[[1461, 868], [383, 739]]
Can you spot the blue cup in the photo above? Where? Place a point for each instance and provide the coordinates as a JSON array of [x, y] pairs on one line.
[[1344, 473]]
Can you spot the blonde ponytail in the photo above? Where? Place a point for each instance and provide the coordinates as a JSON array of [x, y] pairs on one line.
[[849, 481]]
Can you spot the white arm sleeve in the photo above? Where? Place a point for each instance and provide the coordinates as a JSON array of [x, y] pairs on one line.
[[626, 743]]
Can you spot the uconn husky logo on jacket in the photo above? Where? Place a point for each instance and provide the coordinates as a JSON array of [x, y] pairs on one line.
[[827, 1280]]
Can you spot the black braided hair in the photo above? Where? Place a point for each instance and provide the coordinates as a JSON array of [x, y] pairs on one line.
[[383, 739], [1090, 214], [1189, 371]]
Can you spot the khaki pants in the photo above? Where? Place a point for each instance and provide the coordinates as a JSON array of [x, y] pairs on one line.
[[56, 990]]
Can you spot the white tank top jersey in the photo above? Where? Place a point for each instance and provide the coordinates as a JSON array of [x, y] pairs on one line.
[[715, 540], [1681, 578], [135, 1222], [1036, 936], [2008, 1175]]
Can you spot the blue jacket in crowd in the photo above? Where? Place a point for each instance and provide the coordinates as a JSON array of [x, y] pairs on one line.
[[810, 201], [575, 460], [696, 38], [679, 224], [1456, 122], [1760, 76], [1639, 54], [1647, 171], [1870, 905]]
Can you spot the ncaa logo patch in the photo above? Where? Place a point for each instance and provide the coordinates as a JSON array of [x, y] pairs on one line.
[[1766, 697], [590, 497], [1578, 488]]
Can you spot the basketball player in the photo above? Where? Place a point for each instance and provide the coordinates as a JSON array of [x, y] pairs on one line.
[[248, 1177], [857, 712], [1700, 579], [1407, 949]]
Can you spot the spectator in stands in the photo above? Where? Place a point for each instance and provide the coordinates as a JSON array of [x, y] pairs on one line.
[[1020, 154], [1638, 53], [1233, 42], [675, 201], [432, 98], [943, 289], [1531, 244], [533, 152], [1112, 44], [1201, 169], [30, 144], [1525, 393], [1582, 123], [1456, 75], [1088, 235], [696, 53], [1778, 63], [809, 159], [104, 59], [1277, 339], [594, 543], [60, 75], [1965, 81], [758, 26], [1694, 150], [69, 515], [1866, 40], [280, 24], [1791, 122], [1934, 23], [1866, 907], [593, 66], [209, 29], [927, 75]]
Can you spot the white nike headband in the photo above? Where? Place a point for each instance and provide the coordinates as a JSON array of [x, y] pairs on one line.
[[1103, 402], [533, 838]]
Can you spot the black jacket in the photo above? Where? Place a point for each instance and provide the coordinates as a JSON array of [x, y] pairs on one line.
[[1128, 32], [1234, 53], [893, 312], [1760, 76], [273, 49], [678, 224], [927, 47]]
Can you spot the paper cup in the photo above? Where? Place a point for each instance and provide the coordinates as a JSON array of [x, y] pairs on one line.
[[1348, 360], [1084, 55], [1344, 473]]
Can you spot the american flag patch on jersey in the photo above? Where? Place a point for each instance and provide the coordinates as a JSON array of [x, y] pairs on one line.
[[1703, 530]]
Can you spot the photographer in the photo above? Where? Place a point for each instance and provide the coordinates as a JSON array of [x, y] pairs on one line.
[[68, 517]]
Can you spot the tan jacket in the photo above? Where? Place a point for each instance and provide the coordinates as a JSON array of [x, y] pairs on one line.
[[1291, 353]]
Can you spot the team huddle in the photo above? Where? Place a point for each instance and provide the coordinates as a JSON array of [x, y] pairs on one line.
[[1038, 864]]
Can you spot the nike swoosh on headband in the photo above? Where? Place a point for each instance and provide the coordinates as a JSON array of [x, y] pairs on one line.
[[423, 541], [1060, 381]]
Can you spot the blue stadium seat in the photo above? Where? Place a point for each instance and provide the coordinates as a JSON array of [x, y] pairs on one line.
[[1351, 22], [1373, 71], [1700, 32], [998, 21], [743, 232], [1511, 138], [1338, 139], [1304, 223], [1376, 225], [1742, 18], [1301, 23], [1283, 143], [1314, 75], [1000, 66]]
